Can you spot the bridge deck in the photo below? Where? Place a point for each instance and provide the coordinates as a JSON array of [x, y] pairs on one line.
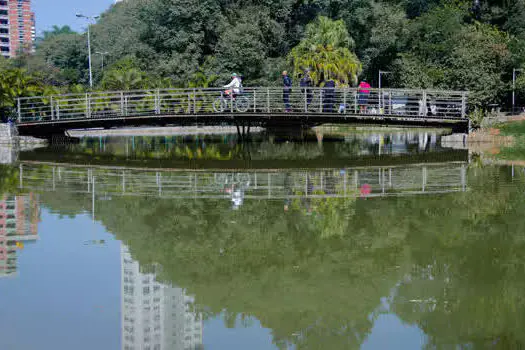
[[257, 106]]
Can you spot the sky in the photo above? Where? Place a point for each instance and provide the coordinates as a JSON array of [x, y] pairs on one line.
[[62, 12]]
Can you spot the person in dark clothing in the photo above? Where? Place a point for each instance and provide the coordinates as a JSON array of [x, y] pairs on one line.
[[287, 90], [328, 96], [306, 84]]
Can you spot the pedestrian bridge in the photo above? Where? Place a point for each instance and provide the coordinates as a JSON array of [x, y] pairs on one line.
[[43, 116]]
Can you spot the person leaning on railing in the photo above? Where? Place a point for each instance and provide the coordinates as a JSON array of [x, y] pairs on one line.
[[363, 94]]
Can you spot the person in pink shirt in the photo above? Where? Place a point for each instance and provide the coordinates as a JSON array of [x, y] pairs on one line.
[[363, 93]]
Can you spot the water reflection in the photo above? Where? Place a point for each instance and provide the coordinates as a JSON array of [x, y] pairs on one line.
[[286, 184], [19, 217], [156, 315], [212, 152], [321, 258]]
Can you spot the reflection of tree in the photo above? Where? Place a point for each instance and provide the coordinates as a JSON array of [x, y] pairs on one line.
[[314, 276], [467, 283], [9, 179], [263, 262]]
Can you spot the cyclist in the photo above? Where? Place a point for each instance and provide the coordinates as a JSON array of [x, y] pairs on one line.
[[234, 87]]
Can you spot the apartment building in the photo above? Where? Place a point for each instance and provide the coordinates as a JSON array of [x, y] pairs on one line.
[[17, 27]]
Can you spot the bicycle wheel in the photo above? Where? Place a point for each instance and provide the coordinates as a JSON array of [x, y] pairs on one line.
[[242, 104], [219, 105]]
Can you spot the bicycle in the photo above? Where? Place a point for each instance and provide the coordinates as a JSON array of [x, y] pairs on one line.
[[224, 102]]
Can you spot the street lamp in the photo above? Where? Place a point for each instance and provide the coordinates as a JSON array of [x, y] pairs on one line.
[[514, 71], [102, 54], [381, 72], [89, 19]]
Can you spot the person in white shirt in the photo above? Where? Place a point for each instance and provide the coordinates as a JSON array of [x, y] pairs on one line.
[[234, 86]]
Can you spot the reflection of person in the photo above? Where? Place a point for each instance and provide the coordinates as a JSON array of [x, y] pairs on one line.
[[287, 89], [363, 93]]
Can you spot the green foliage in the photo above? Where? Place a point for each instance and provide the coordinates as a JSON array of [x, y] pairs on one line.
[[124, 75], [326, 51], [16, 83], [445, 52], [444, 44]]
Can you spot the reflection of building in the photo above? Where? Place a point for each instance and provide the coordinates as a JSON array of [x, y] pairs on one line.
[[19, 217], [156, 316]]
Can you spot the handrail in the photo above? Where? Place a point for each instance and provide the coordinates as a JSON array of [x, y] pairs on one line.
[[255, 100]]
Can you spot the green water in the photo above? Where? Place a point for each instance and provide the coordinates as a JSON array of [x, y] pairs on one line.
[[371, 241]]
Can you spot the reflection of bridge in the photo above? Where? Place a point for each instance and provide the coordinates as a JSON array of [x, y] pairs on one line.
[[47, 115], [105, 182]]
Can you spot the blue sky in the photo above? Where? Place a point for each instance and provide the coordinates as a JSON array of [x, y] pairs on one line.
[[62, 12]]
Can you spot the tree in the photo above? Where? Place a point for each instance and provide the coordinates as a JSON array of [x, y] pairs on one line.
[[16, 83], [442, 51], [57, 30], [326, 51], [124, 75]]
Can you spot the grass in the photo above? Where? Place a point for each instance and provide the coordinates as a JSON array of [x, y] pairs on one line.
[[513, 128]]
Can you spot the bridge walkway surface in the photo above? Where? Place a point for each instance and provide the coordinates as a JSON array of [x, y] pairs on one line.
[[42, 116]]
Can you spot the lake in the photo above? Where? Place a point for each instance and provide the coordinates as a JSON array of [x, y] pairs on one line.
[[337, 239]]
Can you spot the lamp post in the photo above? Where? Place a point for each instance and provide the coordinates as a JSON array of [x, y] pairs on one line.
[[514, 71], [381, 72], [89, 19], [102, 54]]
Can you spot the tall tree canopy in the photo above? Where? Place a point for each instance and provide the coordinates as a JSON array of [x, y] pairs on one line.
[[425, 43]]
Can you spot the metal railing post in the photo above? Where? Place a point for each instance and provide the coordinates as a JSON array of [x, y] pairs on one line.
[[254, 101], [88, 107], [305, 100], [58, 110], [390, 102], [157, 101], [268, 100], [425, 109], [122, 104], [464, 105], [51, 103], [321, 101], [19, 110], [355, 102], [189, 102], [194, 101], [345, 91], [231, 101]]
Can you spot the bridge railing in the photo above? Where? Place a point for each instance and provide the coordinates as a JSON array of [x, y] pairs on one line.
[[252, 100]]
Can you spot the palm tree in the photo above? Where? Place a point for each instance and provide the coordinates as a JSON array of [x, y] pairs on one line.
[[124, 79], [326, 51]]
